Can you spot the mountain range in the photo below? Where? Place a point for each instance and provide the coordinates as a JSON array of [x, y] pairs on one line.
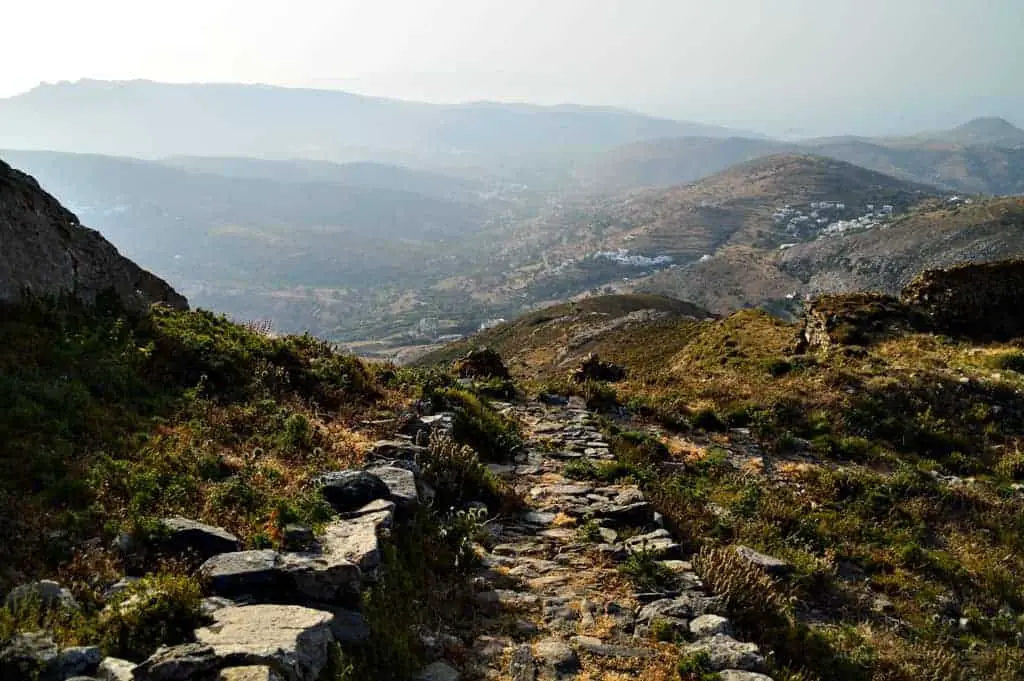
[[363, 218], [149, 119]]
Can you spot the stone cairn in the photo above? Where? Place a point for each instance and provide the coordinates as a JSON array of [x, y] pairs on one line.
[[555, 604]]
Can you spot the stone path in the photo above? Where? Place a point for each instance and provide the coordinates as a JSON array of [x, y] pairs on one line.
[[559, 606]]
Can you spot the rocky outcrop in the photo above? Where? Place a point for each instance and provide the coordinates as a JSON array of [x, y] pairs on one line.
[[594, 368], [983, 300], [855, 319], [481, 363], [45, 251]]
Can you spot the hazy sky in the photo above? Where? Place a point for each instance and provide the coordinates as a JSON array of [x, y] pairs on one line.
[[822, 66]]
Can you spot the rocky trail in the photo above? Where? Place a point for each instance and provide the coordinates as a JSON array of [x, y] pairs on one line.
[[561, 606], [582, 583]]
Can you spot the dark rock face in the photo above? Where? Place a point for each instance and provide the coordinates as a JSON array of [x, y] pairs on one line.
[[982, 301], [855, 319], [481, 363], [35, 656], [351, 490], [44, 250], [594, 369], [191, 538]]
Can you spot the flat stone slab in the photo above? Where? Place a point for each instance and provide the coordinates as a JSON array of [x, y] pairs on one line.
[[190, 537], [351, 489], [290, 639], [243, 573], [725, 652]]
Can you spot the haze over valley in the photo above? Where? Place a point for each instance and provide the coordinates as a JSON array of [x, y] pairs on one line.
[[389, 216]]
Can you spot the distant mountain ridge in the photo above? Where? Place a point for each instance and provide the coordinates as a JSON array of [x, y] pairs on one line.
[[150, 119], [984, 156]]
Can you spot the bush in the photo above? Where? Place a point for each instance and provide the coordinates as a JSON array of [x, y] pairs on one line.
[[752, 597], [161, 609], [697, 667], [457, 475], [646, 572], [478, 425]]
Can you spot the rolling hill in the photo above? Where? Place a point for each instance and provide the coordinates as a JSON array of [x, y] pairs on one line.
[[739, 206], [882, 259], [982, 156]]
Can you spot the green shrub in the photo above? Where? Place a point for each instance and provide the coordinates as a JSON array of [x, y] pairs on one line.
[[645, 571], [161, 609], [479, 426], [457, 476], [697, 667], [751, 596], [707, 419], [580, 469]]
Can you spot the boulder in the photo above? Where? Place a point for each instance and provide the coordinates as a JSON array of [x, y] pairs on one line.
[[686, 606], [115, 669], [659, 543], [349, 553], [29, 656], [557, 656], [707, 626], [244, 573], [594, 369], [194, 539], [45, 594], [181, 663], [481, 363], [401, 484], [292, 640], [350, 490], [725, 652]]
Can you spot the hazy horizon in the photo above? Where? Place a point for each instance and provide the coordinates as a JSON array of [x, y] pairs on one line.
[[867, 67]]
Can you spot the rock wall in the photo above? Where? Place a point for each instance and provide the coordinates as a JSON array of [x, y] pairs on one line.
[[983, 300], [44, 250], [855, 319]]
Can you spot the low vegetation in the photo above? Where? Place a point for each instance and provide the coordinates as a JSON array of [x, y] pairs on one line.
[[108, 421], [887, 474]]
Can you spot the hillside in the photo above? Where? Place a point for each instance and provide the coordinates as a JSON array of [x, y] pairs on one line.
[[309, 253], [988, 131], [741, 206], [982, 156], [553, 337], [881, 259], [880, 477], [46, 251], [152, 120]]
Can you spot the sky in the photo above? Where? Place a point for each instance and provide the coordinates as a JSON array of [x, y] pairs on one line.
[[796, 66]]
